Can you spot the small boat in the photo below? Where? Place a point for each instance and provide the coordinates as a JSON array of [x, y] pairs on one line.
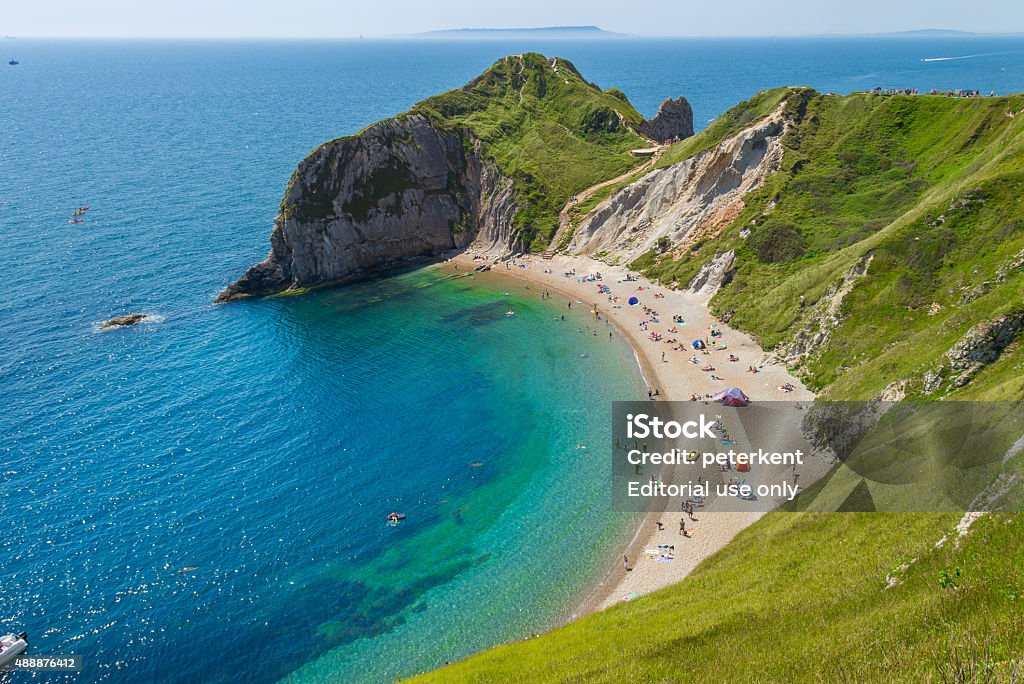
[[510, 313], [11, 646], [13, 62], [83, 209], [76, 221]]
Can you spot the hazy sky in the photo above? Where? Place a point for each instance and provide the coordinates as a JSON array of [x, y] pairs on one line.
[[327, 18]]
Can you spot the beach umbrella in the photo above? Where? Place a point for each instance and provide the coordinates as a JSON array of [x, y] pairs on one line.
[[698, 344], [633, 300], [733, 396]]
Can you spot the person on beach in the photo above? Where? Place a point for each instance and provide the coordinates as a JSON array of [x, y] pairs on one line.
[[625, 562], [682, 526]]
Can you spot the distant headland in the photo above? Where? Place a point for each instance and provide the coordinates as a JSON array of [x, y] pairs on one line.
[[559, 32]]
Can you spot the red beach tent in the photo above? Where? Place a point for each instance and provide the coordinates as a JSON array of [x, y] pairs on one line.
[[733, 396]]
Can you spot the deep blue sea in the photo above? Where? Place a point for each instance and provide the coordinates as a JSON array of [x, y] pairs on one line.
[[261, 444]]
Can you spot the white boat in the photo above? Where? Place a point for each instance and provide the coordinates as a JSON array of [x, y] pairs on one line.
[[11, 646]]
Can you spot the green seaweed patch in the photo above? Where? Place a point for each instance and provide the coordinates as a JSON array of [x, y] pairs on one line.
[[290, 292]]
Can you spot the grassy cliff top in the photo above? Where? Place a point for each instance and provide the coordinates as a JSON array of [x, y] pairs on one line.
[[802, 597], [547, 128]]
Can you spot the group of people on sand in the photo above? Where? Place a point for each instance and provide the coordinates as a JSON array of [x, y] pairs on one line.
[[704, 346], [713, 339]]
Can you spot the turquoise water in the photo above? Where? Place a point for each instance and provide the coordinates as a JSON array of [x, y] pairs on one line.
[[264, 442]]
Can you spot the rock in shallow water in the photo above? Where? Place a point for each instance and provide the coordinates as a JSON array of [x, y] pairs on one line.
[[123, 321]]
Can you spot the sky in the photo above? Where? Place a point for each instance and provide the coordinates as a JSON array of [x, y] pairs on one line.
[[374, 18]]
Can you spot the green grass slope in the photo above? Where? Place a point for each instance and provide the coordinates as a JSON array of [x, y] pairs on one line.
[[803, 597], [547, 128], [906, 215]]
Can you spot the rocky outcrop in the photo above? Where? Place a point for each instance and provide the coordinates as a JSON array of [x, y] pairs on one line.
[[673, 120], [123, 321], [683, 202], [714, 274], [822, 317], [982, 345], [401, 189]]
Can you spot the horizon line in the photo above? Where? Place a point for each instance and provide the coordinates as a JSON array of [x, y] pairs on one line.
[[431, 35]]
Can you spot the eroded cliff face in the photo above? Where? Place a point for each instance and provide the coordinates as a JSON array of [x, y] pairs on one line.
[[673, 120], [683, 202], [403, 188]]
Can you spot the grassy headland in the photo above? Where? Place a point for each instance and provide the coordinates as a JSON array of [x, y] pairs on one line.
[[547, 128]]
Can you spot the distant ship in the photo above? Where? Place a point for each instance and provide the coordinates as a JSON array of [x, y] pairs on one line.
[[13, 62]]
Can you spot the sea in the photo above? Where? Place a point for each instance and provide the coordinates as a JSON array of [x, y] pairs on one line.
[[204, 497]]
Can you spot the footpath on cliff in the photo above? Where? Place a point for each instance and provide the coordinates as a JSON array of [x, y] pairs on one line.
[[565, 215]]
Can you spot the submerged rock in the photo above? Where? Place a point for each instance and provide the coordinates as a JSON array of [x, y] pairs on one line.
[[123, 321]]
